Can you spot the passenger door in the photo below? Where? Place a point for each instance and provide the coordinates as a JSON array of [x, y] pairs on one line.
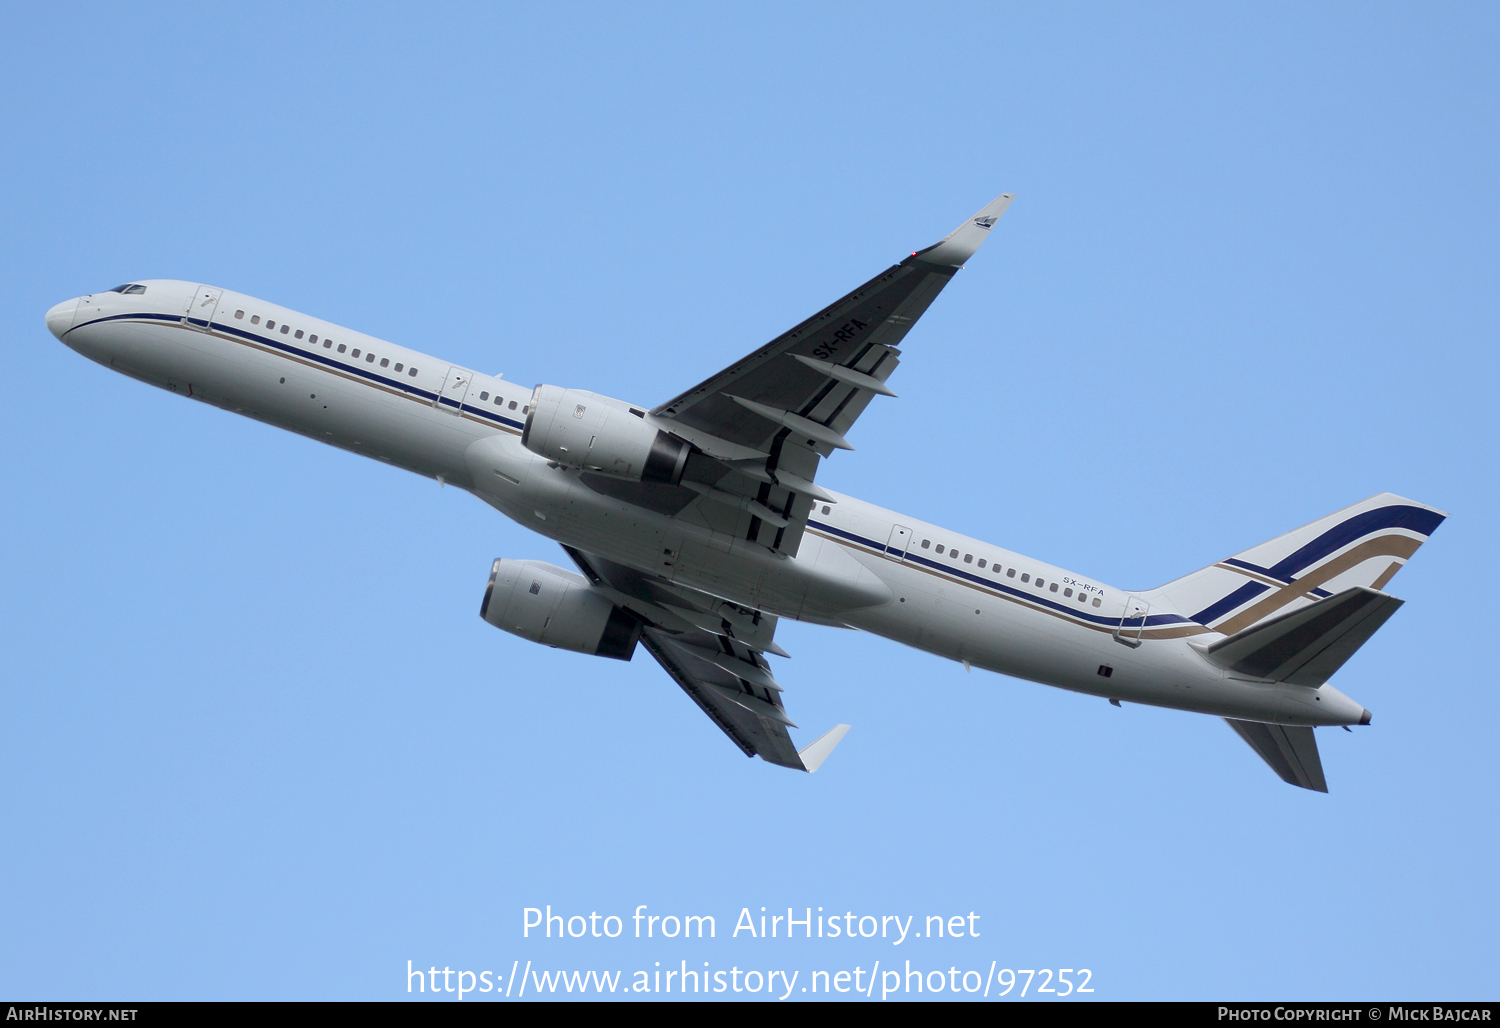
[[455, 388], [201, 304]]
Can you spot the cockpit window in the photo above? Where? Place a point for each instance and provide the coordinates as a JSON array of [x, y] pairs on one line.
[[129, 289]]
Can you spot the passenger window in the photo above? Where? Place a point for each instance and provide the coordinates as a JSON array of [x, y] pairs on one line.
[[484, 396], [1096, 601], [512, 405], [270, 324], [285, 329], [1025, 578], [925, 543], [1082, 598], [400, 368], [312, 339], [1040, 583], [327, 343], [385, 362], [369, 358], [255, 319], [354, 352], [1068, 593], [341, 347], [412, 372], [239, 314], [981, 563], [940, 549], [299, 334], [968, 558], [499, 400], [826, 511]]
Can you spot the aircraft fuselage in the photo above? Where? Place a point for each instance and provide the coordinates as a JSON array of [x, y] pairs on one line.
[[858, 565]]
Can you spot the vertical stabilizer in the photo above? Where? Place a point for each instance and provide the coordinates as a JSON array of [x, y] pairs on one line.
[[1363, 545]]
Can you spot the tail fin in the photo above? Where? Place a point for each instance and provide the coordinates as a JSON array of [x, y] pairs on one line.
[[1363, 545]]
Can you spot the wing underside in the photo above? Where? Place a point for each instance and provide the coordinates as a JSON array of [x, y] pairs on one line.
[[766, 421], [715, 652], [757, 726]]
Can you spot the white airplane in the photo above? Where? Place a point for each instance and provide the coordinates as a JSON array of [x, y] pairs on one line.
[[697, 523]]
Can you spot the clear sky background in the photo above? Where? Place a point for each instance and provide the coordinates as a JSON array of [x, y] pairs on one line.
[[255, 741]]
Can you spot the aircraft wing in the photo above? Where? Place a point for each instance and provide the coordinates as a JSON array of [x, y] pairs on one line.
[[693, 637], [771, 416]]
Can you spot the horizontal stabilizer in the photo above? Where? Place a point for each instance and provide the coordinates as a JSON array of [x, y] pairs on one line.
[[1308, 645], [1291, 751], [817, 751]]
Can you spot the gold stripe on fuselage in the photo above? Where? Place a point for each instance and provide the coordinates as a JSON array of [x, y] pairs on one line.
[[1175, 632]]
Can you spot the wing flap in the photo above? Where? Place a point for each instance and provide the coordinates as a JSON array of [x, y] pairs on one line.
[[789, 404], [857, 332], [756, 731]]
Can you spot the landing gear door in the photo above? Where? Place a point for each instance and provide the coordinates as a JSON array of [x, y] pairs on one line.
[[455, 388], [201, 306], [895, 547], [1132, 621]]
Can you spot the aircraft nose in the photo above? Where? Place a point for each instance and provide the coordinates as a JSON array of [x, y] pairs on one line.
[[60, 318]]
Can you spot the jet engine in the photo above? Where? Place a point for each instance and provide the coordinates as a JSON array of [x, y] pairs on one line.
[[599, 434], [554, 607]]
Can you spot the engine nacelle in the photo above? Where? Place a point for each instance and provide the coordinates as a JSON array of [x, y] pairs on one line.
[[554, 607], [595, 433]]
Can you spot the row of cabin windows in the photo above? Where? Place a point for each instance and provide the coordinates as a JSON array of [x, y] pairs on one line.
[[1040, 583], [499, 400], [328, 344]]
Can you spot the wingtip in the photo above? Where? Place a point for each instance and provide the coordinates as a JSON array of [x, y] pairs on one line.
[[960, 244], [818, 750]]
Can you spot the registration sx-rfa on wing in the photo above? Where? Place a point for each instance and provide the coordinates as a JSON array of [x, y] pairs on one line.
[[696, 524]]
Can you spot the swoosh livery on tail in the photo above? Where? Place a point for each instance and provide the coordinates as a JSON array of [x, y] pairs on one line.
[[1363, 545]]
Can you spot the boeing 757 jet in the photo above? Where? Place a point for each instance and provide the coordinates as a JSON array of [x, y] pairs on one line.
[[697, 523]]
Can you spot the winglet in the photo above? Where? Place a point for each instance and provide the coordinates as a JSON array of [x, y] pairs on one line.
[[960, 244], [818, 751]]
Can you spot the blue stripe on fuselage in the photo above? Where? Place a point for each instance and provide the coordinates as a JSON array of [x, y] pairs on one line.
[[313, 355], [1151, 621]]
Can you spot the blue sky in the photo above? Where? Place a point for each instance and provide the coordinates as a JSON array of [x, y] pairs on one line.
[[256, 743]]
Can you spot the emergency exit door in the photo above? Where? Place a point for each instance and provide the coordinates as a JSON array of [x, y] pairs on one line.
[[895, 546], [455, 388]]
